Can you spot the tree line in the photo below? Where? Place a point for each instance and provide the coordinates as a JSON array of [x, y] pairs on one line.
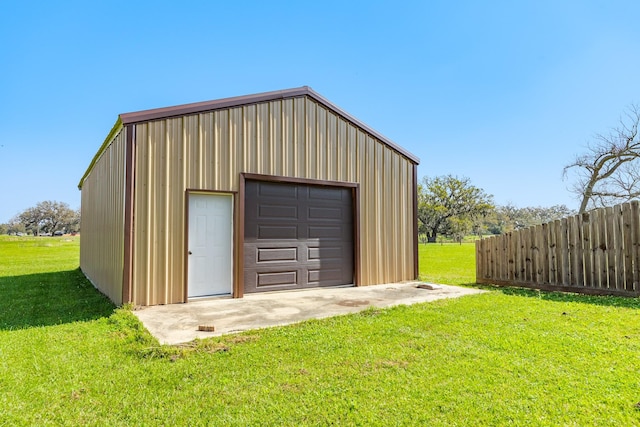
[[451, 207], [46, 218]]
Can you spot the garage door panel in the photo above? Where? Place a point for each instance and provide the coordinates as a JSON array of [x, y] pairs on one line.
[[329, 193], [279, 232], [284, 250], [275, 190], [326, 231], [325, 214], [278, 278], [277, 213], [271, 255], [329, 253], [325, 277]]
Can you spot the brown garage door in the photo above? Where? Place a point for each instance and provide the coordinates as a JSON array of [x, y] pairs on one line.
[[297, 236]]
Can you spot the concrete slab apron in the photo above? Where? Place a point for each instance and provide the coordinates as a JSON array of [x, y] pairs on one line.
[[179, 323]]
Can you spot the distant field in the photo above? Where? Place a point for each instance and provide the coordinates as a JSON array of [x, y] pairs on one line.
[[507, 357], [447, 263]]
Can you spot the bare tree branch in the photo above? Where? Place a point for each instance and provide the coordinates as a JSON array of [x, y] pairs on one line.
[[608, 172]]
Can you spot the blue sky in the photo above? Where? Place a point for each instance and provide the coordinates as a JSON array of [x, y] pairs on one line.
[[502, 92]]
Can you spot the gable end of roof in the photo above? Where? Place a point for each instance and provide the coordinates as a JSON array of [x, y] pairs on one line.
[[237, 101], [200, 107]]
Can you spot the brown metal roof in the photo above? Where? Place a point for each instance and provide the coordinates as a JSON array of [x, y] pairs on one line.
[[198, 107]]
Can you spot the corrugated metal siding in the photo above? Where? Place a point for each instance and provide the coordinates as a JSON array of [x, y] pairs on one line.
[[292, 137], [102, 210]]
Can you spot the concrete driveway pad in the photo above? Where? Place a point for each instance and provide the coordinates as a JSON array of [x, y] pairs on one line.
[[179, 323]]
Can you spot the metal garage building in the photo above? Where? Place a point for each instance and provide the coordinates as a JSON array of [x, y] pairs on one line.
[[273, 191]]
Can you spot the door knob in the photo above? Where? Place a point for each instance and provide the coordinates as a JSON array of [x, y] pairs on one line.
[[190, 252]]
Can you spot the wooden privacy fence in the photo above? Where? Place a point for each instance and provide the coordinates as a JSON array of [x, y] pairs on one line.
[[597, 252]]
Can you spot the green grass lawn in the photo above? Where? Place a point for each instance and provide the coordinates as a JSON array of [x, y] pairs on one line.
[[507, 357], [448, 263]]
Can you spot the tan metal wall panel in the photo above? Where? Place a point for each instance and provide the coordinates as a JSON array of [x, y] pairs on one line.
[[292, 137], [102, 210], [287, 129]]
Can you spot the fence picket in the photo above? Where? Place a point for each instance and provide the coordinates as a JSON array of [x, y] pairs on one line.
[[575, 244], [517, 273], [627, 246], [535, 254], [611, 249], [619, 242], [527, 253], [504, 272], [579, 242], [604, 269], [635, 232], [545, 253], [554, 231], [565, 252], [596, 250], [587, 253], [512, 257]]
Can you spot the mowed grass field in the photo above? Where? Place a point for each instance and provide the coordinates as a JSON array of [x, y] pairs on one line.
[[506, 357]]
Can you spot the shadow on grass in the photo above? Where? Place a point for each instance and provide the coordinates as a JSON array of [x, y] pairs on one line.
[[50, 299], [610, 301]]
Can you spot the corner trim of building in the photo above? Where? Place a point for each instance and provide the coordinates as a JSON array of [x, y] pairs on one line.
[[416, 270], [127, 270], [357, 250], [238, 288]]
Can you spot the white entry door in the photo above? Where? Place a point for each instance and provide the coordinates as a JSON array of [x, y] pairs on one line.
[[210, 245]]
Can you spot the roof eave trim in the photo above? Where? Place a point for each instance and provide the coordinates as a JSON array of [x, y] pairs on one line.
[[117, 127], [199, 107], [361, 125]]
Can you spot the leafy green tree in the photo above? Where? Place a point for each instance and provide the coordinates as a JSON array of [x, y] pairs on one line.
[[446, 203], [459, 228], [47, 218], [73, 226], [14, 226]]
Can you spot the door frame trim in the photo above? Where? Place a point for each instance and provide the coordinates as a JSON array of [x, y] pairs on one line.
[[355, 199], [185, 250]]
